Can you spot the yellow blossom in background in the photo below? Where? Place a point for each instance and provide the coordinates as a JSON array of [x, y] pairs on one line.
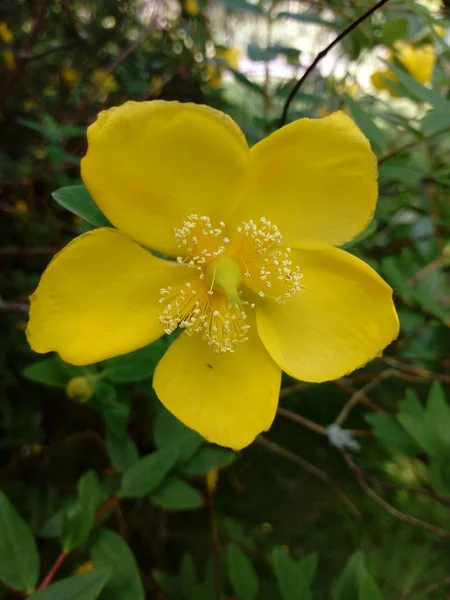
[[6, 35], [29, 104], [212, 477], [192, 7], [9, 59], [84, 568], [228, 57], [156, 85], [439, 30], [70, 76], [105, 82], [252, 275], [419, 62], [21, 207]]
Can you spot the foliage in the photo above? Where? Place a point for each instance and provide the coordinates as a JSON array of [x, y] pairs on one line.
[[105, 494]]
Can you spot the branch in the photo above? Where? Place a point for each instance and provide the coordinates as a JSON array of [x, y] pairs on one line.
[[312, 469], [412, 144], [388, 507], [323, 53]]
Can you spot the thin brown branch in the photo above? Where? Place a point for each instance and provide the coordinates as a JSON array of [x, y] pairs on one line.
[[412, 144], [360, 394], [288, 414], [324, 52], [312, 469], [53, 570], [385, 505]]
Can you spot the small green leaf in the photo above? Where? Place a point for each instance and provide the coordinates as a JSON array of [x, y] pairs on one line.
[[48, 371], [294, 578], [121, 450], [418, 90], [415, 427], [110, 550], [81, 587], [437, 423], [394, 29], [368, 589], [176, 494], [347, 586], [136, 366], [365, 122], [241, 573], [209, 458], [170, 432], [78, 201], [19, 559], [81, 516], [148, 473], [388, 431]]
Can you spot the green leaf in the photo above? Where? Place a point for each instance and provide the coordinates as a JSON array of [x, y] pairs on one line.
[[347, 586], [48, 371], [257, 53], [148, 473], [176, 494], [209, 458], [114, 413], [81, 587], [241, 573], [241, 78], [415, 428], [121, 450], [241, 6], [365, 122], [388, 431], [394, 29], [78, 201], [81, 516], [19, 559], [418, 90], [110, 550], [368, 589], [308, 16], [170, 432], [294, 579], [437, 423], [439, 474], [136, 366]]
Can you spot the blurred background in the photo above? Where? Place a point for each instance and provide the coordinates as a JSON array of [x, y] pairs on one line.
[[348, 495]]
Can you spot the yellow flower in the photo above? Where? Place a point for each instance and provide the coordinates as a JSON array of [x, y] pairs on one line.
[[6, 35], [21, 207], [70, 76], [9, 59], [192, 7], [29, 104], [84, 568], [227, 57], [251, 275], [419, 62], [439, 30], [156, 86], [104, 81]]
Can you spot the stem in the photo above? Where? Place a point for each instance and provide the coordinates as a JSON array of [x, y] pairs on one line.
[[323, 53], [412, 144], [53, 570]]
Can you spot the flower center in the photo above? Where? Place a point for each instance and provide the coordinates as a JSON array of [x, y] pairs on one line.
[[235, 269]]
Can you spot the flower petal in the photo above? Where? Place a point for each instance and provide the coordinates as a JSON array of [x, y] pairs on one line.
[[150, 165], [227, 397], [315, 179], [98, 298], [342, 319]]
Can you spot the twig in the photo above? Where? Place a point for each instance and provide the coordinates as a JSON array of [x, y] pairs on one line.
[[14, 306], [26, 46], [218, 583], [390, 509], [424, 591], [312, 469], [359, 394], [410, 145], [288, 414], [362, 397], [324, 52], [53, 570]]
